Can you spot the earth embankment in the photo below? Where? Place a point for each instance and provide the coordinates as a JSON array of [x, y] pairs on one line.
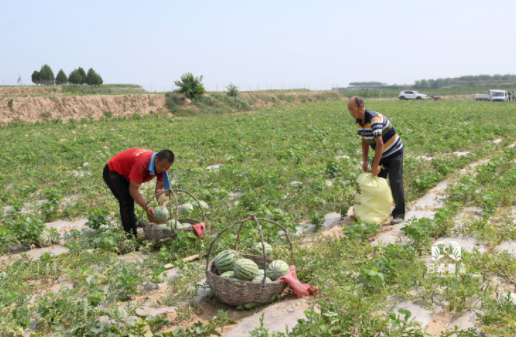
[[65, 107], [31, 109]]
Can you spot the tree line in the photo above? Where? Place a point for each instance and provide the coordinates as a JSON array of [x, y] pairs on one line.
[[78, 76], [465, 81]]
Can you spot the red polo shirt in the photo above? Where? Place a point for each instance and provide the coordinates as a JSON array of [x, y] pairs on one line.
[[133, 164]]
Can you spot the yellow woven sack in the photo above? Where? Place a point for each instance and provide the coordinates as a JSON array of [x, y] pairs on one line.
[[373, 198]]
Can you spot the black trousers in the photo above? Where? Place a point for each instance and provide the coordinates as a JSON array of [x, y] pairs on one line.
[[119, 186], [394, 169]]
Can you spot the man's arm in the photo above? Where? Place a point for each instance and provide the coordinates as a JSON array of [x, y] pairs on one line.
[[160, 187], [378, 151], [133, 191], [365, 152]]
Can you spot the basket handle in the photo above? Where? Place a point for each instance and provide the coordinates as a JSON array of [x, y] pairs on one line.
[[170, 191], [190, 194], [249, 217]]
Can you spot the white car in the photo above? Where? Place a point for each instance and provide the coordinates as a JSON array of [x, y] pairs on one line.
[[410, 94]]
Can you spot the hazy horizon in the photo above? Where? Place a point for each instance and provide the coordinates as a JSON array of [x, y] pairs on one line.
[[267, 44]]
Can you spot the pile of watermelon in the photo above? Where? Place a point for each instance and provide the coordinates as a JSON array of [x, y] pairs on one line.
[[170, 225], [242, 269]]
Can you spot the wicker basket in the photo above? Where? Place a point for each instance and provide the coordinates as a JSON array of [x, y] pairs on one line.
[[236, 292], [156, 234]]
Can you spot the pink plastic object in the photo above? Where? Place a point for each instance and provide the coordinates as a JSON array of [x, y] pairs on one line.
[[299, 288]]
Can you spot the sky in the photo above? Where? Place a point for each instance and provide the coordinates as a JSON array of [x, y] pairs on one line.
[[259, 44]]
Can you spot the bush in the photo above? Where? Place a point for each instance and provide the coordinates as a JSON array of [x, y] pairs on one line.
[[26, 229], [211, 100], [270, 98], [61, 77], [174, 100], [232, 90], [190, 86]]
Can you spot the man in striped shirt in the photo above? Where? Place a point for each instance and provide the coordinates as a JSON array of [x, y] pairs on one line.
[[377, 131]]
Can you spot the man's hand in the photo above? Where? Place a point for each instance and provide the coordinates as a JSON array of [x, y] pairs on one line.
[[365, 167], [150, 214], [375, 170]]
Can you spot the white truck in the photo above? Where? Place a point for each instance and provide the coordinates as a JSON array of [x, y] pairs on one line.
[[494, 96]]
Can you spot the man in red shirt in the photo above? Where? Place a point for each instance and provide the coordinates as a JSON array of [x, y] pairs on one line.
[[125, 172]]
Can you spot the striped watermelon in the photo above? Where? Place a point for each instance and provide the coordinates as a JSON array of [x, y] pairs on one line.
[[43, 240], [161, 214], [183, 225], [225, 260], [259, 279], [229, 274], [257, 249], [261, 272], [245, 269], [179, 224], [203, 205], [277, 269], [186, 208]]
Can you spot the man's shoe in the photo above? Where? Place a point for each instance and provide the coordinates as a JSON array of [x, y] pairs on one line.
[[397, 221]]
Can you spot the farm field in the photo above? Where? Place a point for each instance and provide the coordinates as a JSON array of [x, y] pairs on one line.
[[289, 163]]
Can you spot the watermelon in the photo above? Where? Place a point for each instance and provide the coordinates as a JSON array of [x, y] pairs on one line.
[[203, 205], [179, 224], [163, 226], [257, 249], [277, 269], [161, 214], [225, 260], [245, 269], [43, 240], [259, 279], [229, 274], [183, 225], [55, 239], [186, 208], [261, 272]]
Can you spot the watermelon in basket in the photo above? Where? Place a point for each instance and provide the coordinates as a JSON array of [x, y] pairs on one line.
[[253, 283], [163, 229]]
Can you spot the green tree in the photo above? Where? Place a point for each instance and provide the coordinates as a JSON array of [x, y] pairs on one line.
[[190, 86], [93, 78], [61, 77], [46, 75], [35, 77], [232, 90], [75, 77], [83, 75]]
